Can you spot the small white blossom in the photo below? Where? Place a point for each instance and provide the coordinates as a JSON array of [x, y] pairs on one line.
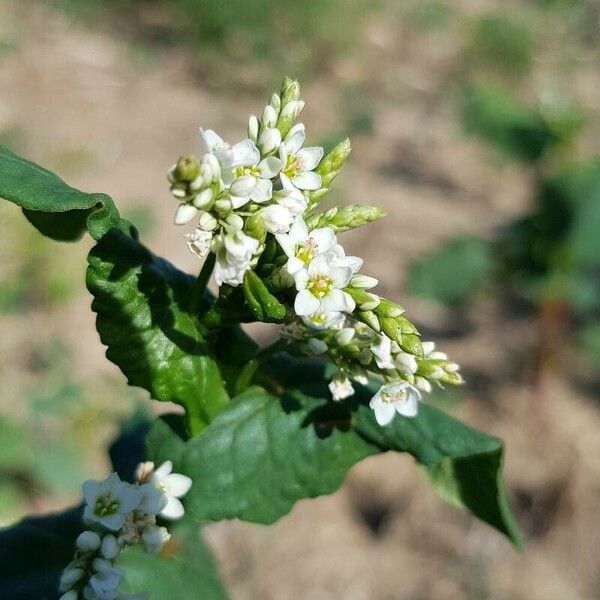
[[301, 247], [277, 218], [199, 242], [298, 163], [320, 288], [323, 321], [234, 252], [340, 388], [154, 538], [269, 140], [108, 501], [396, 397], [174, 485], [406, 362], [383, 352], [105, 582], [292, 198], [153, 499]]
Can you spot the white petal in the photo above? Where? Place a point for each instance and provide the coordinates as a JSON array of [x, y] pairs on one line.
[[173, 510], [211, 139], [245, 154], [301, 278], [153, 499], [335, 301], [92, 490], [324, 237], [319, 266], [178, 485], [263, 190], [237, 201], [269, 167], [294, 265], [305, 303], [310, 157], [340, 276], [112, 522], [308, 180], [384, 412], [294, 140], [243, 186]]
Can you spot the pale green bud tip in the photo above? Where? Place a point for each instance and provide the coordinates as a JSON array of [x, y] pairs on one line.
[[187, 168], [363, 281], [290, 91]]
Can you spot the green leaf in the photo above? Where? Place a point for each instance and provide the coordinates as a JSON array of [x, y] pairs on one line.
[[56, 209], [517, 131], [184, 570], [265, 452], [140, 301], [454, 272]]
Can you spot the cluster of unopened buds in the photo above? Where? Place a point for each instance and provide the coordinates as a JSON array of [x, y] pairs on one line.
[[254, 203], [119, 514]]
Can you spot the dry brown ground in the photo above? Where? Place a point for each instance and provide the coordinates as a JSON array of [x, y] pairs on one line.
[[74, 93]]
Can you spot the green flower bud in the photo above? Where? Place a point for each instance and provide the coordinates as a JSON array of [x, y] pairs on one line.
[[369, 318], [392, 329], [452, 378], [187, 168], [255, 227], [386, 308], [411, 343], [290, 91], [331, 164], [347, 217]]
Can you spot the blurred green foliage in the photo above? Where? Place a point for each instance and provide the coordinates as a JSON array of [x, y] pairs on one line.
[[459, 269], [289, 34], [498, 42]]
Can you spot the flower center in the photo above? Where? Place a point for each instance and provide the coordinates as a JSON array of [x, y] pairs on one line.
[[399, 396], [106, 505], [318, 319], [292, 166], [307, 251], [320, 285], [240, 171]]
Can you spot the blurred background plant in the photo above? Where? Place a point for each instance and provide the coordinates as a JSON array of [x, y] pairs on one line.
[[474, 123]]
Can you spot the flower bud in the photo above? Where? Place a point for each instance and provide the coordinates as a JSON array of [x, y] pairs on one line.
[[340, 388], [70, 576], [203, 199], [243, 186], [210, 168], [290, 91], [317, 346], [269, 117], [255, 227], [223, 206], [207, 222], [110, 547], [88, 541], [363, 282], [154, 538], [370, 318], [269, 140], [185, 213], [289, 113], [235, 222], [187, 168], [344, 336], [331, 164], [371, 303], [178, 190], [275, 102], [389, 309], [277, 218], [70, 595], [253, 128], [197, 184]]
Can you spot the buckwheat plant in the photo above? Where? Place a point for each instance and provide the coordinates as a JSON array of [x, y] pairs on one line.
[[260, 428]]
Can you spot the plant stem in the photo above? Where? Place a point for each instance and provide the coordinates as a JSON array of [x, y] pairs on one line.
[[199, 287]]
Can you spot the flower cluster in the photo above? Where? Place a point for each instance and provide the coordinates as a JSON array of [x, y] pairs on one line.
[[118, 514], [255, 206]]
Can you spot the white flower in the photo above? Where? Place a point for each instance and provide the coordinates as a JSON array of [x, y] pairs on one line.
[[395, 397], [322, 321], [320, 288], [108, 501], [298, 163], [174, 485], [292, 198], [340, 388], [269, 140], [339, 259], [153, 500], [383, 353], [199, 242], [234, 252], [301, 247], [155, 537], [88, 541], [277, 218], [105, 582]]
